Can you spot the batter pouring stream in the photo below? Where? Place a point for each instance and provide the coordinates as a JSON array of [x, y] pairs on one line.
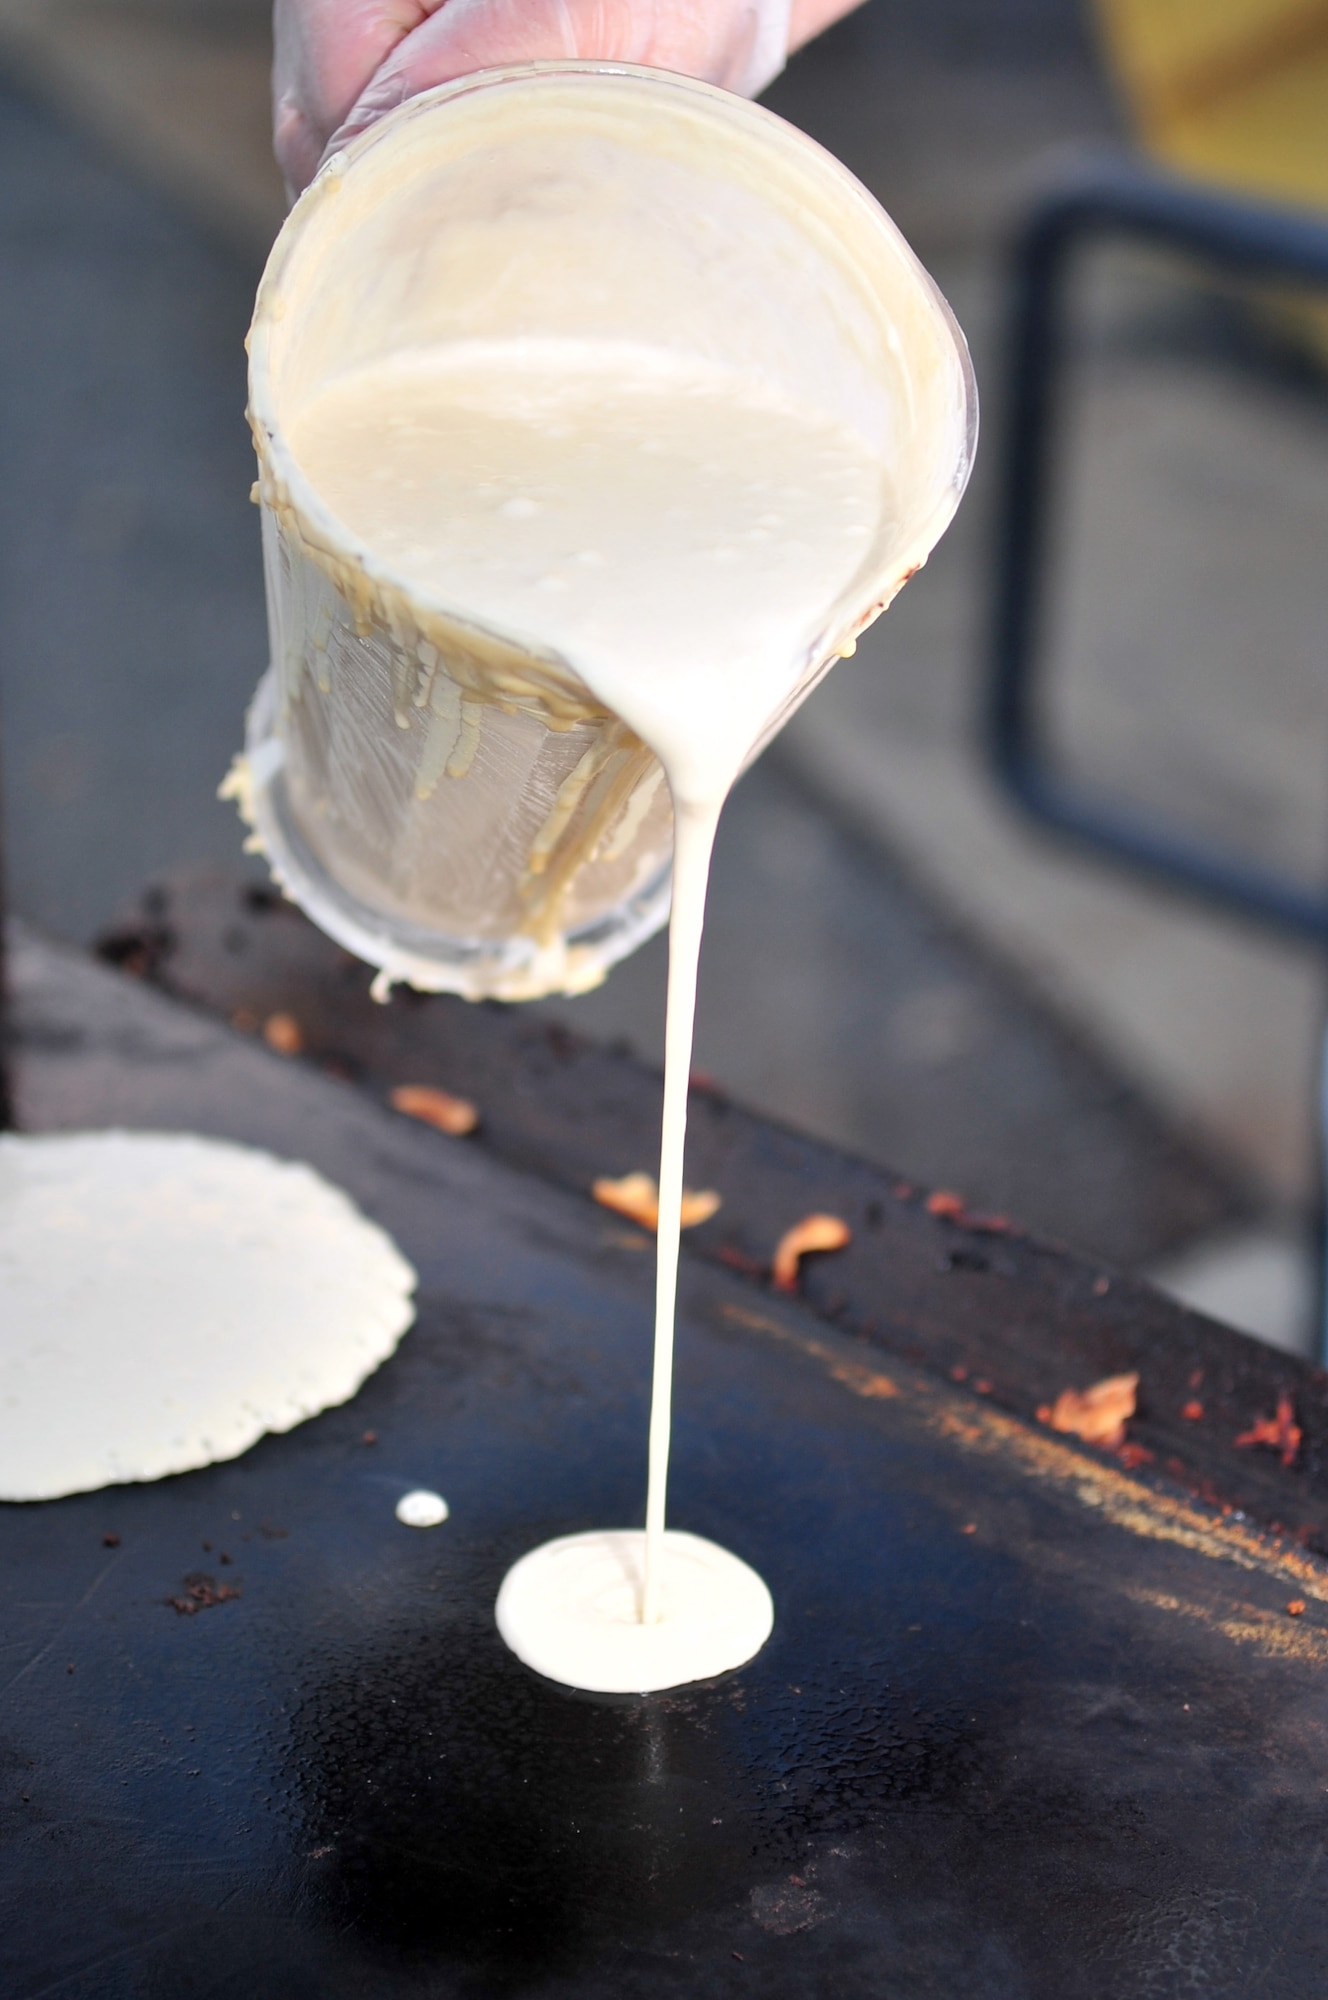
[[682, 537]]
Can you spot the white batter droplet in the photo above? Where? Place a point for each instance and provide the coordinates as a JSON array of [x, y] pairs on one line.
[[572, 1611], [422, 1509]]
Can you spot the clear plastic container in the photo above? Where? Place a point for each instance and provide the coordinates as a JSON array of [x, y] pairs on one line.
[[449, 800]]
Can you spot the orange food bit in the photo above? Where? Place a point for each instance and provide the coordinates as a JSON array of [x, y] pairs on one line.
[[1134, 1455], [1296, 1608], [283, 1033], [1192, 1412], [455, 1115], [637, 1197], [1097, 1415], [814, 1232], [1280, 1433]]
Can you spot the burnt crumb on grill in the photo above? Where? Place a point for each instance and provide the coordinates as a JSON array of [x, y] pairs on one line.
[[785, 1910], [1281, 1432], [964, 1260], [1133, 1455], [738, 1260], [139, 949], [200, 1592]]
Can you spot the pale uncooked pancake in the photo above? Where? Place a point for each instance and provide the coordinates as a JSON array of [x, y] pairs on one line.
[[572, 1611], [166, 1299]]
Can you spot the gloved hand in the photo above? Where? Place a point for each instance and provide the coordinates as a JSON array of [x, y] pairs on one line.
[[341, 64]]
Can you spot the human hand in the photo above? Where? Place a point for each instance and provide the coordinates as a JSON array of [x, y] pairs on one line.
[[341, 64]]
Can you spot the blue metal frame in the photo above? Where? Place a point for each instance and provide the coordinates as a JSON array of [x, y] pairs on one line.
[[1108, 196]]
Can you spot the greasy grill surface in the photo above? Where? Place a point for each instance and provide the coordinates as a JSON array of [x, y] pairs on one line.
[[1027, 1724], [951, 1292]]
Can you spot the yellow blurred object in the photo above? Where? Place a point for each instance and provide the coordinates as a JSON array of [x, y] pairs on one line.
[[1233, 92]]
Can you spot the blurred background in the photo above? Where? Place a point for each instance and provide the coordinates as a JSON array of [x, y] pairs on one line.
[[895, 961]]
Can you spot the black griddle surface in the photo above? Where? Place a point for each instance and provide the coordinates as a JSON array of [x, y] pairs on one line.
[[1025, 1727]]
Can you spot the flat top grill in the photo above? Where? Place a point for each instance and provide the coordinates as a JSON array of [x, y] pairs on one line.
[[1031, 1722]]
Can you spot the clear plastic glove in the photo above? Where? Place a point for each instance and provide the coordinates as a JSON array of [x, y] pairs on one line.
[[341, 64]]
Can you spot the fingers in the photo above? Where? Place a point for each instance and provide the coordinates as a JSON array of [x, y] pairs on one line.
[[325, 52], [740, 44], [342, 64]]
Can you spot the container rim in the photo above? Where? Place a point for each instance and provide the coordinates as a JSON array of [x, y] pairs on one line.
[[308, 503]]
